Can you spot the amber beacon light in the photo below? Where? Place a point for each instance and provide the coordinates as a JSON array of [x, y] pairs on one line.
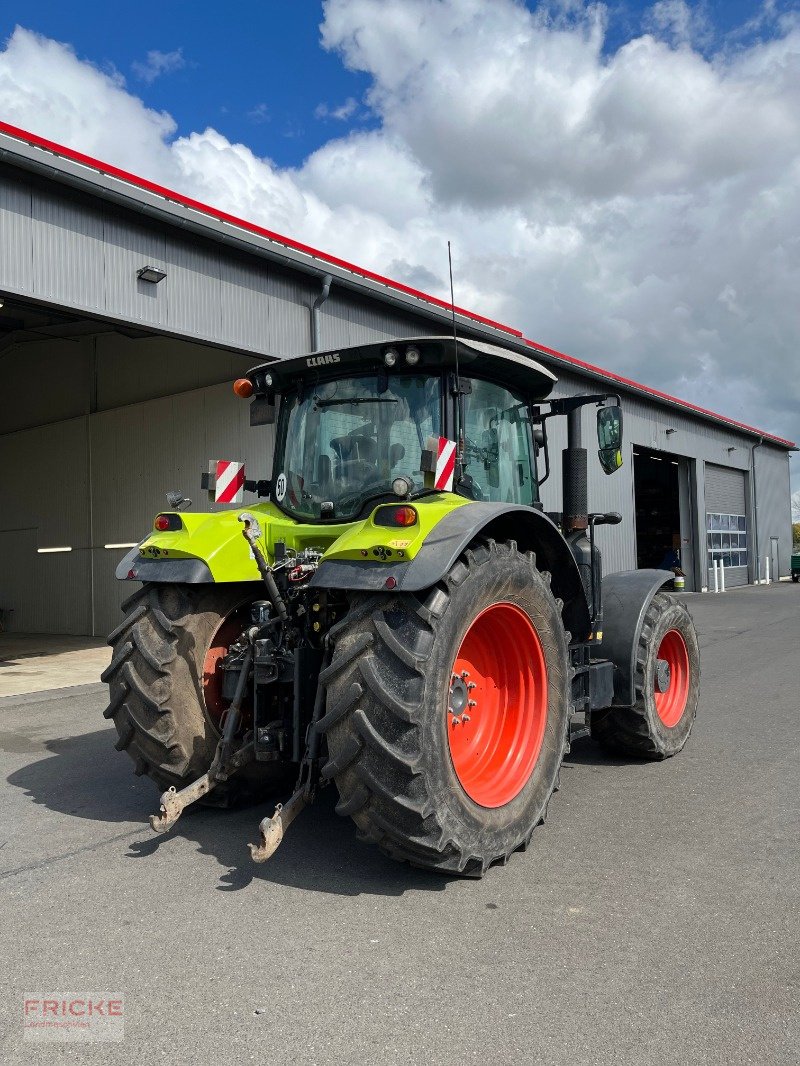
[[243, 387]]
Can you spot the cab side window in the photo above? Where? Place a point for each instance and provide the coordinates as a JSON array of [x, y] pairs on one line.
[[498, 455]]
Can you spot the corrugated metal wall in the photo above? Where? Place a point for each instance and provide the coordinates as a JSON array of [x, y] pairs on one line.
[[142, 451], [650, 425], [81, 252], [44, 492], [135, 454], [773, 506]]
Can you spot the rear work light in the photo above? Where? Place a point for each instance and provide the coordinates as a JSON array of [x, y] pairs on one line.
[[395, 516], [165, 523]]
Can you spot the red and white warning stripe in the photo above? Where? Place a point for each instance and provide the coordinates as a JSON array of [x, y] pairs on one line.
[[230, 482], [445, 464]]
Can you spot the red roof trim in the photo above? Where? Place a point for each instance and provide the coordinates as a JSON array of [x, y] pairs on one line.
[[223, 216]]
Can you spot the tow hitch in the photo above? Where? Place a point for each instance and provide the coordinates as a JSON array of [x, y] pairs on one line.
[[226, 761], [272, 829]]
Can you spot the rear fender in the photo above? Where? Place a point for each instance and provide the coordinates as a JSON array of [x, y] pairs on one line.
[[531, 529], [173, 571], [626, 597]]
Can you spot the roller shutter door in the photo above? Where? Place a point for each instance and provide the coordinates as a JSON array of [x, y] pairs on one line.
[[727, 527]]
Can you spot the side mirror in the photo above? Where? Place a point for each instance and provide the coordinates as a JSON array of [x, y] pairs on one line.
[[609, 438]]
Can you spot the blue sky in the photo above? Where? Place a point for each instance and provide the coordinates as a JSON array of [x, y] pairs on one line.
[[256, 71], [253, 70]]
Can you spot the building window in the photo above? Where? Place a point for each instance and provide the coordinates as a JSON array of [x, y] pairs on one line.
[[726, 539]]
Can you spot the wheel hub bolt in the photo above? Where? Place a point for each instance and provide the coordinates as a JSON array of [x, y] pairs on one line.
[[663, 675]]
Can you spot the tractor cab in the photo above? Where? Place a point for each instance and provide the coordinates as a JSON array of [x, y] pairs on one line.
[[355, 425]]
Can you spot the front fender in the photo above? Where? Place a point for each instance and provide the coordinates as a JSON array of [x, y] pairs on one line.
[[626, 597], [531, 529]]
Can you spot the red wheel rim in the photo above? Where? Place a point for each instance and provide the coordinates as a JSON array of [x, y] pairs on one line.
[[671, 703], [497, 705], [226, 633]]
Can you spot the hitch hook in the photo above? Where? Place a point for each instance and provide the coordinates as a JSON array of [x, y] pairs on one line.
[[272, 829]]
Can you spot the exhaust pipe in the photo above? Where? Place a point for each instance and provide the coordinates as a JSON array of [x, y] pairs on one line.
[[575, 492]]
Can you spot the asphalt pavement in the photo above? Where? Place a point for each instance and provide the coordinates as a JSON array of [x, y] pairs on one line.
[[654, 919]]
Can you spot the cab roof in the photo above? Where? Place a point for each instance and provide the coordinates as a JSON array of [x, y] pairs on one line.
[[475, 359]]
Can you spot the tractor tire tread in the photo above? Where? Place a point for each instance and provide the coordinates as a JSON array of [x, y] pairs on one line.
[[628, 730], [157, 712], [385, 643]]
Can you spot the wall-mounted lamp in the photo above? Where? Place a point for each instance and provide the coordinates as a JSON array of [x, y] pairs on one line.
[[151, 273], [731, 449], [671, 431]]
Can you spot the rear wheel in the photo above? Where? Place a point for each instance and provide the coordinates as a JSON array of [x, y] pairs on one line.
[[667, 687], [165, 684], [446, 716]]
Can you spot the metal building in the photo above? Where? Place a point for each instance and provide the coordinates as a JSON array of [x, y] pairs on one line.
[[126, 311]]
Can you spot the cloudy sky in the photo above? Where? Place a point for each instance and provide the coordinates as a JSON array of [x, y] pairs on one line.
[[619, 181]]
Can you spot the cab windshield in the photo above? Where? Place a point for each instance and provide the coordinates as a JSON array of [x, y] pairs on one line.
[[346, 441]]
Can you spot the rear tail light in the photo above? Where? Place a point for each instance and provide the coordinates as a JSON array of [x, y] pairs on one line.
[[395, 516], [167, 522]]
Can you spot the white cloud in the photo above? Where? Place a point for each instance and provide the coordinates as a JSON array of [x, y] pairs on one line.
[[637, 209], [796, 506], [259, 113], [158, 63], [341, 113], [45, 88], [684, 23]]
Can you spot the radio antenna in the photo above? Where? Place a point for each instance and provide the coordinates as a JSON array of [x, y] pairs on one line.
[[459, 427]]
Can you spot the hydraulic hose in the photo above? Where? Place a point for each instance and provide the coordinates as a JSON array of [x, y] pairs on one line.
[[251, 533]]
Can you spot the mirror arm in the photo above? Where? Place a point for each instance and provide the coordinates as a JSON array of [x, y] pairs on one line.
[[572, 403], [537, 418]]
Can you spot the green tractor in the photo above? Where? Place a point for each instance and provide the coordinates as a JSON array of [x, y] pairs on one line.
[[399, 615]]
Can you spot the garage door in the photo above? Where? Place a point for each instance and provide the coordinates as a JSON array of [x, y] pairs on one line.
[[727, 535]]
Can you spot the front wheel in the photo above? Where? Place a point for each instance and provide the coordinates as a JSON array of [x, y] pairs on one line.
[[667, 687], [446, 717]]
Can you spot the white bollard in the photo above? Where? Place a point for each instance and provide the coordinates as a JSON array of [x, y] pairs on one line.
[[721, 576], [716, 576], [766, 568]]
